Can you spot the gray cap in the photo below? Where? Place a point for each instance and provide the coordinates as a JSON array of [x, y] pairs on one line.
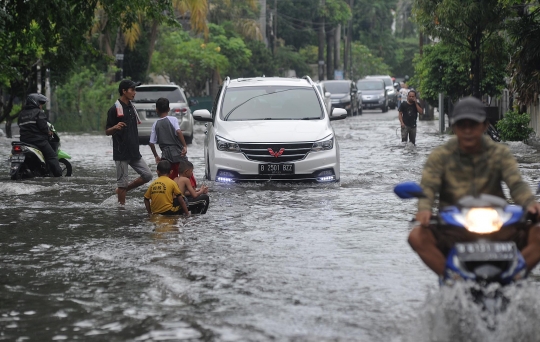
[[469, 108]]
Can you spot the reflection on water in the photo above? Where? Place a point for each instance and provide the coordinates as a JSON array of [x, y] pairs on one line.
[[267, 262]]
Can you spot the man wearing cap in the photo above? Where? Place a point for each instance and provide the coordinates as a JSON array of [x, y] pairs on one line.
[[122, 121], [470, 164]]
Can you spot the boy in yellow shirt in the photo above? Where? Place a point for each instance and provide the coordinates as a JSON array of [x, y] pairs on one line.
[[160, 196]]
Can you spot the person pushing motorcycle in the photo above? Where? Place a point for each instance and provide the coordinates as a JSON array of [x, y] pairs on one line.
[[34, 129], [470, 164]]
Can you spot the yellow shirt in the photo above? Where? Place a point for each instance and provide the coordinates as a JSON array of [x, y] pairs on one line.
[[160, 193]]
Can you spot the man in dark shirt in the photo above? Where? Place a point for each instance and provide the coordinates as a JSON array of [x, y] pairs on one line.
[[408, 113], [122, 121]]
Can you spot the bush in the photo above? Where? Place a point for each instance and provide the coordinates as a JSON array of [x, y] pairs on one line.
[[514, 126]]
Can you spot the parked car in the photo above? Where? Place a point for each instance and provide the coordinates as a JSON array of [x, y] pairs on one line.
[[326, 96], [268, 129], [344, 95], [145, 103], [391, 91], [374, 93]]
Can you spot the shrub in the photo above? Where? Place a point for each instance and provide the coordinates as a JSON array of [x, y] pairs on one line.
[[514, 126]]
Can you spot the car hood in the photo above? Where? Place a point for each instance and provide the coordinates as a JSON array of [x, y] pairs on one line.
[[372, 92], [338, 95], [274, 131]]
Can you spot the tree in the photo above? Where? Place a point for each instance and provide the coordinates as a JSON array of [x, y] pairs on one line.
[[187, 61], [364, 63], [463, 24], [524, 65], [444, 69], [35, 34]]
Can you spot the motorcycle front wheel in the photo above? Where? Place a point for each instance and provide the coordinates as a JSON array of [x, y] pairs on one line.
[[65, 165]]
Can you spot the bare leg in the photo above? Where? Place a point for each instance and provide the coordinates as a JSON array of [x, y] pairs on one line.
[[531, 253], [136, 183], [121, 192], [423, 242]]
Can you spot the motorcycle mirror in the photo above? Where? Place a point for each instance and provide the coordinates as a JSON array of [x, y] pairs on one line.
[[408, 190]]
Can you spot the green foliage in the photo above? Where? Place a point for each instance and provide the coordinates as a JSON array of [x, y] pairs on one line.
[[232, 47], [365, 63], [261, 62], [187, 61], [444, 68], [81, 104], [287, 59], [515, 126]]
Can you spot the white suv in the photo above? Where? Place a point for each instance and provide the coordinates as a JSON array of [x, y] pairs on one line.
[[145, 103], [269, 128]]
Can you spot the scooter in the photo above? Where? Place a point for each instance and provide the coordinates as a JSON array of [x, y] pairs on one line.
[[27, 161], [480, 262]]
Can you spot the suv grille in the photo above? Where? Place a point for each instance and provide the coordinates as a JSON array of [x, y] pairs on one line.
[[260, 152]]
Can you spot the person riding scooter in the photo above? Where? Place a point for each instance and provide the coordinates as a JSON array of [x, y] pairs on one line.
[[35, 130]]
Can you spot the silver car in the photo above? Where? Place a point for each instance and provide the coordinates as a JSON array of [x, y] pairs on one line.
[[326, 97], [145, 103]]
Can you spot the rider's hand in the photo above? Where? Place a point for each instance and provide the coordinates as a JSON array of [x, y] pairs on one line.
[[534, 208], [423, 217], [157, 158]]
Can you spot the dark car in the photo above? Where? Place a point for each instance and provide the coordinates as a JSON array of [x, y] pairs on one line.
[[374, 94], [344, 95], [390, 90]]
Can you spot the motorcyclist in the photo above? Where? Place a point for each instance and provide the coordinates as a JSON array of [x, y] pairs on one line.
[[34, 130], [470, 164]]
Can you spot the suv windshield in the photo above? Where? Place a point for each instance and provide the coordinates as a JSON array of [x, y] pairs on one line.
[[338, 87], [270, 103], [370, 85], [151, 94]]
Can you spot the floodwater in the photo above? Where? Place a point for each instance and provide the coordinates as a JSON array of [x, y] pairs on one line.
[[268, 262]]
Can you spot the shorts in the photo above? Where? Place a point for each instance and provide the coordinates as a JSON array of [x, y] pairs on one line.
[[446, 237], [410, 132], [199, 204], [139, 165]]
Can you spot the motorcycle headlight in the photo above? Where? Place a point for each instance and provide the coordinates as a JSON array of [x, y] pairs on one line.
[[226, 145], [327, 144], [483, 220]]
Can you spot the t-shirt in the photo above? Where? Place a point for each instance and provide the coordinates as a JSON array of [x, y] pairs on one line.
[[126, 140], [410, 114], [160, 193], [404, 92], [174, 122]]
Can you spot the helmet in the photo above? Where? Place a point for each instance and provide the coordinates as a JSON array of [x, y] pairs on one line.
[[36, 99]]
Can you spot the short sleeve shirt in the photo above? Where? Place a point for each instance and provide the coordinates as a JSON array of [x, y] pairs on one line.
[[410, 114], [160, 193], [125, 141], [172, 119]]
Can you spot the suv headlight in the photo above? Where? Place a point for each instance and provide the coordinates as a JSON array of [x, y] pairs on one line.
[[323, 145], [381, 95], [226, 145]]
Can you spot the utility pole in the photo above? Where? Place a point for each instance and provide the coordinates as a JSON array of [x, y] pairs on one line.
[[262, 21], [347, 55], [321, 43], [275, 27]]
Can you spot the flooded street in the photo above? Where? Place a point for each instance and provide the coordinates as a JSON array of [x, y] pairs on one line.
[[268, 262]]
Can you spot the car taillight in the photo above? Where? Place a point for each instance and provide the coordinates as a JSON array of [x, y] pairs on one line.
[[180, 110], [16, 149]]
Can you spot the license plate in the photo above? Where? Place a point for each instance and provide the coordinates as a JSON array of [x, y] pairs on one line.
[[17, 158], [486, 251], [371, 104], [151, 114], [276, 169]]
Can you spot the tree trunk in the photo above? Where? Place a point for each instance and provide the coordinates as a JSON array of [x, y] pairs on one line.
[[321, 46], [330, 54], [347, 60], [321, 49], [337, 48], [476, 66], [153, 38]]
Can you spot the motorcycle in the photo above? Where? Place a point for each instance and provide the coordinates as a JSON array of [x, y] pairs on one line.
[[27, 161], [480, 262]]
